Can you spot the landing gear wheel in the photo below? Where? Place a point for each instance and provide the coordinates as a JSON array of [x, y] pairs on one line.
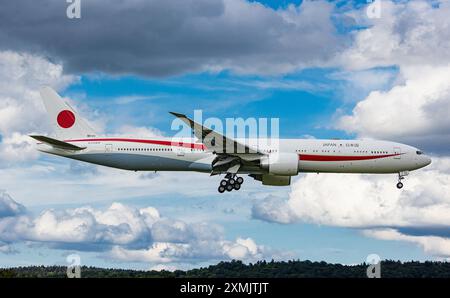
[[401, 176], [230, 182]]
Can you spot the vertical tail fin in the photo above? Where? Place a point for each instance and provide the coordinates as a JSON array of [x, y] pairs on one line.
[[66, 122]]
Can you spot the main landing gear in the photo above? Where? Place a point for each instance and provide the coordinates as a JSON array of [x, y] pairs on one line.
[[230, 182], [401, 176]]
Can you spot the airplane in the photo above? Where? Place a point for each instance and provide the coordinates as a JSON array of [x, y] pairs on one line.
[[271, 163]]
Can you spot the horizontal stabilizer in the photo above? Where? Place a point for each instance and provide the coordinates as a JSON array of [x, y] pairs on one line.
[[57, 143]]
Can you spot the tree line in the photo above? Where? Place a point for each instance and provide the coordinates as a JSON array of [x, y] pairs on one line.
[[261, 269]]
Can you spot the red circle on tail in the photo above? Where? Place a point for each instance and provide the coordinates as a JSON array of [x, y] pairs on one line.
[[66, 119]]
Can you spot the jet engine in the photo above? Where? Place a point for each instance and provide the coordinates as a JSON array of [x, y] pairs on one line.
[[280, 164]]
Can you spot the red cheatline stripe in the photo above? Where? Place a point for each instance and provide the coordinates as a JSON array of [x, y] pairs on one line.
[[312, 157], [154, 142]]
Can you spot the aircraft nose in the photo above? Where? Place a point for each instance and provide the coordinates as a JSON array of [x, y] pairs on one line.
[[426, 161]]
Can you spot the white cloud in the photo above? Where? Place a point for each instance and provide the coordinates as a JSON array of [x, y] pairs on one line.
[[243, 249], [301, 29], [273, 209], [243, 36], [415, 111], [119, 224], [354, 85], [407, 33], [7, 249], [123, 233], [161, 267], [17, 147], [438, 246], [415, 37], [169, 252], [138, 131], [21, 109], [282, 84], [9, 207], [172, 231], [21, 76], [159, 252], [368, 202]]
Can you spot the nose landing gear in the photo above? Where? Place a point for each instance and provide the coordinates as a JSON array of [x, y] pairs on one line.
[[230, 182], [401, 176]]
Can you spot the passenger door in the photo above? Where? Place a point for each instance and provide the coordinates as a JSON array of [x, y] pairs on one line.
[[180, 150], [397, 152]]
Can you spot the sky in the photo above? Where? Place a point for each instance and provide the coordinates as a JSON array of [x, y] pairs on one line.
[[325, 69]]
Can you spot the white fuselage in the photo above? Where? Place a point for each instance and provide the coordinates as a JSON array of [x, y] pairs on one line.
[[167, 154]]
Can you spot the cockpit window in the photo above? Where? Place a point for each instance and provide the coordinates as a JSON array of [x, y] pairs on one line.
[[419, 152]]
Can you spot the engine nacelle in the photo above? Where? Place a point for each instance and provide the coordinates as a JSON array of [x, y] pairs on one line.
[[282, 164]]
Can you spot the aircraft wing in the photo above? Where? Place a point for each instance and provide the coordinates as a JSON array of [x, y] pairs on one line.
[[57, 143], [231, 154], [215, 141]]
